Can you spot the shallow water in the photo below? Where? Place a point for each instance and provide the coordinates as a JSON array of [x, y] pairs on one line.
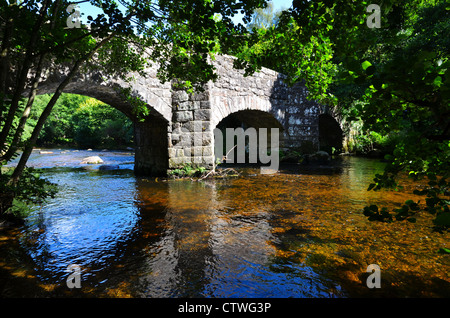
[[297, 233]]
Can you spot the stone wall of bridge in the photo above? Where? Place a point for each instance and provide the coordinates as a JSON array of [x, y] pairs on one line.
[[179, 128], [195, 116]]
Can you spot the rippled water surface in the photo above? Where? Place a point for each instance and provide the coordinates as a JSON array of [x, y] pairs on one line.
[[297, 233]]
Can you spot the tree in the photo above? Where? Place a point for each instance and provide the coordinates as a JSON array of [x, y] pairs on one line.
[[394, 79], [301, 53], [409, 91], [58, 128], [95, 125], [35, 34]]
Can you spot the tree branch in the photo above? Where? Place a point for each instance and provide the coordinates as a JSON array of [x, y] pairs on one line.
[[37, 129], [21, 80]]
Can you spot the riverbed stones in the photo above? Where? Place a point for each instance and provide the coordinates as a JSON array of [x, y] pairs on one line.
[[92, 160]]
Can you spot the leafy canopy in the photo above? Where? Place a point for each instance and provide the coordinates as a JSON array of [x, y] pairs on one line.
[[393, 79]]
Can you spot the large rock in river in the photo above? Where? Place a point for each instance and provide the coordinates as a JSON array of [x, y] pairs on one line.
[[92, 160]]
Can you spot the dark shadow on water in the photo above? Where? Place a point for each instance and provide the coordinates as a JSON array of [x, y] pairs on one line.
[[335, 166]]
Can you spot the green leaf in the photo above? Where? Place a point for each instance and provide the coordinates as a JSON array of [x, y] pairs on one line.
[[366, 64], [437, 81], [444, 250]]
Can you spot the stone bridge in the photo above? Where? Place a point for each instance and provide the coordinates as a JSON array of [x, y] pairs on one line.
[[180, 126]]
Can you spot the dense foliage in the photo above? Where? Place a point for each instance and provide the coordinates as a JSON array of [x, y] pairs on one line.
[[81, 122], [392, 83]]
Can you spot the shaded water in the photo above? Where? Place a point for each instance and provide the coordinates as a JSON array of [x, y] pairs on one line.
[[297, 233]]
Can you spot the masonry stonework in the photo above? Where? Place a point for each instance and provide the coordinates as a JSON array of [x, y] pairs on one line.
[[179, 127]]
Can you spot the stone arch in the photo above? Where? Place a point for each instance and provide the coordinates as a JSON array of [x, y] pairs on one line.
[[248, 119], [179, 127], [151, 132], [110, 91], [223, 107], [266, 91]]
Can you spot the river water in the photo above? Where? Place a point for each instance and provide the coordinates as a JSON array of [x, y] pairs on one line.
[[297, 233]]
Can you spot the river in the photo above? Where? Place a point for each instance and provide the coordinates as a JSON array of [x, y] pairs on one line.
[[297, 233]]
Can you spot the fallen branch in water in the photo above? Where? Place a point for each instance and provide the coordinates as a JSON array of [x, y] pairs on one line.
[[223, 172], [228, 172], [195, 173]]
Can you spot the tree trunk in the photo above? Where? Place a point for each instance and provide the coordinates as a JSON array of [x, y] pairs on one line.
[[37, 129], [35, 83], [4, 61], [23, 73], [6, 200], [26, 113]]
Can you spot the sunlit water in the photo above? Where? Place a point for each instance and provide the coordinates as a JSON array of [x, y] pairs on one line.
[[297, 233]]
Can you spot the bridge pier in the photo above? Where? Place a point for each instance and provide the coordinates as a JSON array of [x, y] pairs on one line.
[[191, 139], [151, 144]]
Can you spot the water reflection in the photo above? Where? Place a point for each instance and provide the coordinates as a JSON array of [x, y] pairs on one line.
[[210, 246], [284, 235], [85, 224]]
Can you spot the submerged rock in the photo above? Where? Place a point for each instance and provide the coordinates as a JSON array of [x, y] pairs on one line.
[[291, 158], [92, 160], [319, 157]]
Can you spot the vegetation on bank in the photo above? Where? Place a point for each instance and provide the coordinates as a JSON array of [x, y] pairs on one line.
[[187, 171], [81, 122]]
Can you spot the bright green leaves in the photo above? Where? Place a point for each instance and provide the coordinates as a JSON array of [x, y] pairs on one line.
[[287, 49], [444, 250], [368, 68], [119, 58], [31, 188], [438, 81], [365, 65], [189, 32], [424, 160]]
